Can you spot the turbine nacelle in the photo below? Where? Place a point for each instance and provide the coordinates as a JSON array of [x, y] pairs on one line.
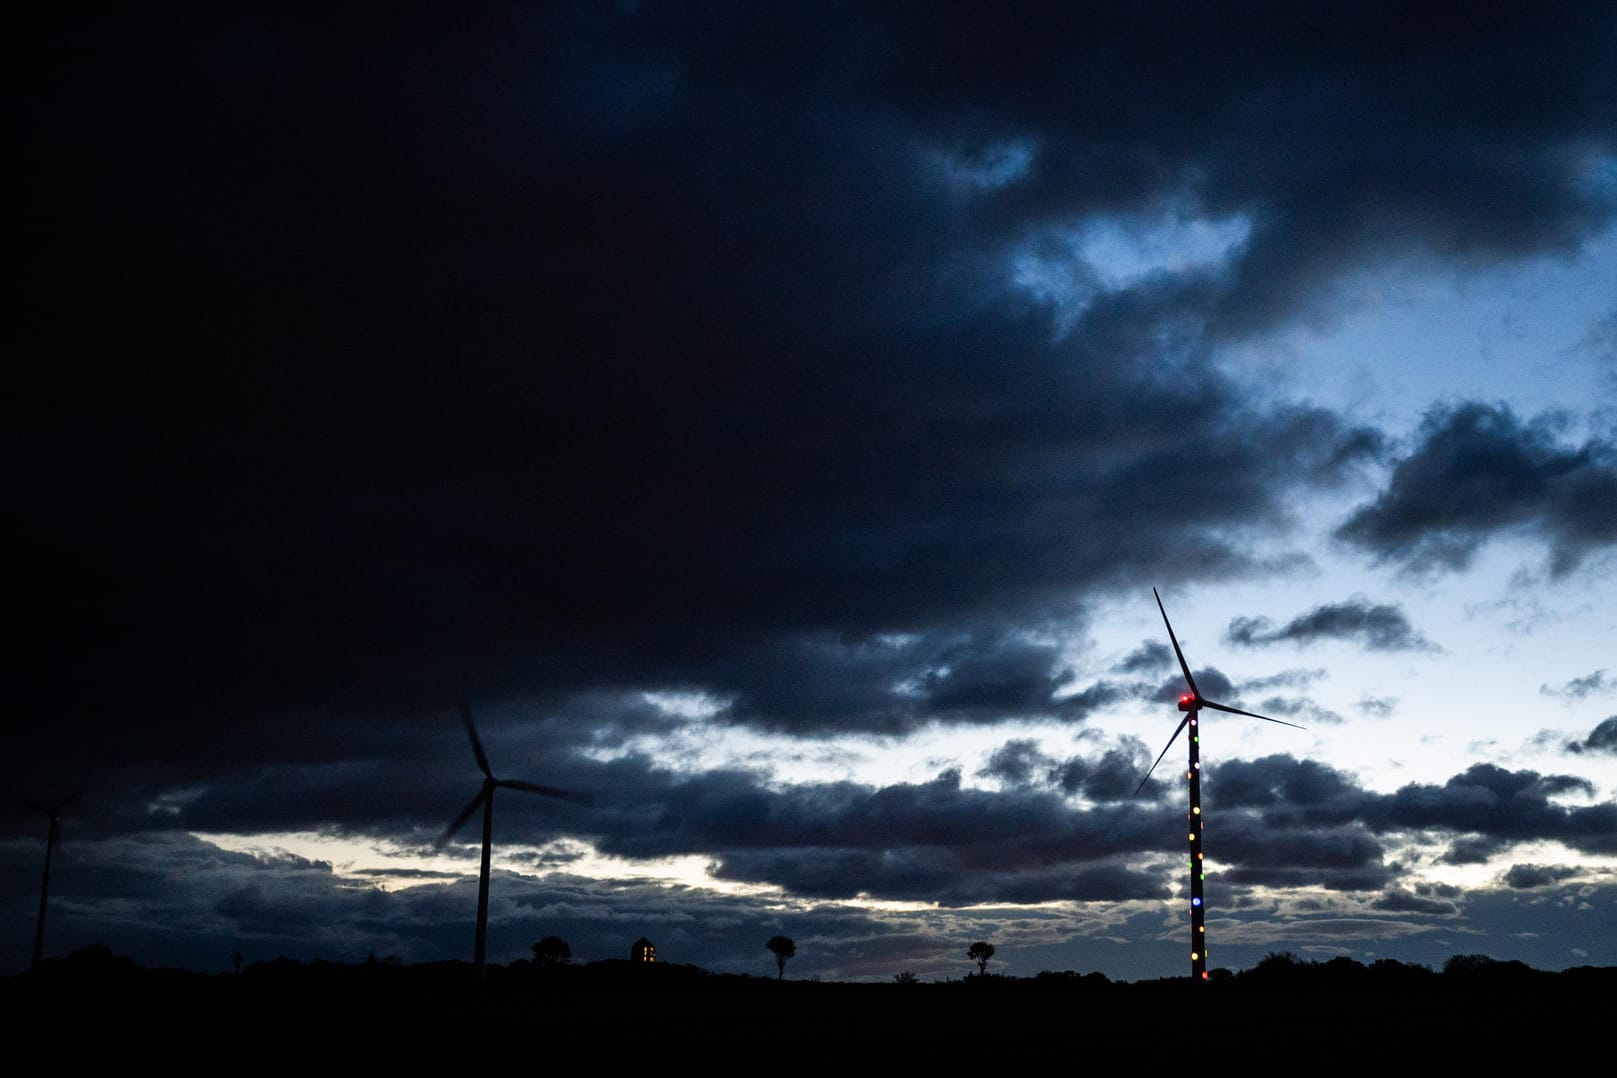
[[1193, 701]]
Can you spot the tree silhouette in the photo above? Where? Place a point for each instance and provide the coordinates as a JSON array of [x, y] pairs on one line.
[[552, 951], [906, 977], [782, 948], [980, 952]]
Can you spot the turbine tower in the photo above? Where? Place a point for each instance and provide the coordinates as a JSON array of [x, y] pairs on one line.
[[485, 800], [52, 838], [1191, 704]]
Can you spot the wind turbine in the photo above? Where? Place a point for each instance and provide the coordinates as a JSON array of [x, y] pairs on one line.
[[1191, 704], [485, 799], [52, 839]]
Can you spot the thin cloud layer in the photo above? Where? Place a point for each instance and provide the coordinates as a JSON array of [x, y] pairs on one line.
[[1580, 687], [1377, 626]]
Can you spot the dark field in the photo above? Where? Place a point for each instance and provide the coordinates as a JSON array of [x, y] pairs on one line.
[[1298, 1016]]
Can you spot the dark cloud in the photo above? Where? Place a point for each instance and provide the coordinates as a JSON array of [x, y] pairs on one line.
[[1473, 849], [1262, 853], [895, 684], [1515, 805], [1017, 763], [401, 425], [1398, 900], [1376, 626], [1527, 877], [1479, 472], [1328, 795], [1294, 707], [996, 678], [1580, 687], [1114, 777], [1602, 739], [1212, 682], [1149, 658]]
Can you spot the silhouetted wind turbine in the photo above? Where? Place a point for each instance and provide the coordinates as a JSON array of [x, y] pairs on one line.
[[1191, 703], [52, 838], [485, 799]]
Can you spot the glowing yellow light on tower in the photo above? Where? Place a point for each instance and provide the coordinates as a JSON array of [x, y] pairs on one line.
[[1197, 811], [1194, 956], [1193, 836]]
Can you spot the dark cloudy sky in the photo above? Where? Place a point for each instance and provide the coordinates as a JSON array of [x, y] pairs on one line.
[[775, 418]]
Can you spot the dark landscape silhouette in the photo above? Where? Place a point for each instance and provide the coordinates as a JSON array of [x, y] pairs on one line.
[[1474, 1007]]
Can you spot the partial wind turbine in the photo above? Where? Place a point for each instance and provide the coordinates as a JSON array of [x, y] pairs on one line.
[[1191, 704], [485, 800], [52, 838]]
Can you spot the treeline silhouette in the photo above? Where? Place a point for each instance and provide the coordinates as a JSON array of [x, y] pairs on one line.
[[1277, 972], [1475, 1008]]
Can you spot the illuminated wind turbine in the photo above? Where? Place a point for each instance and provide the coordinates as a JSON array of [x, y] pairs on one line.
[[1191, 704], [52, 838], [485, 800]]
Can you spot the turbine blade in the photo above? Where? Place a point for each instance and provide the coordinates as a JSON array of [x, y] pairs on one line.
[[1182, 664], [471, 732], [51, 810], [465, 814], [548, 791], [1182, 723], [1249, 714]]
